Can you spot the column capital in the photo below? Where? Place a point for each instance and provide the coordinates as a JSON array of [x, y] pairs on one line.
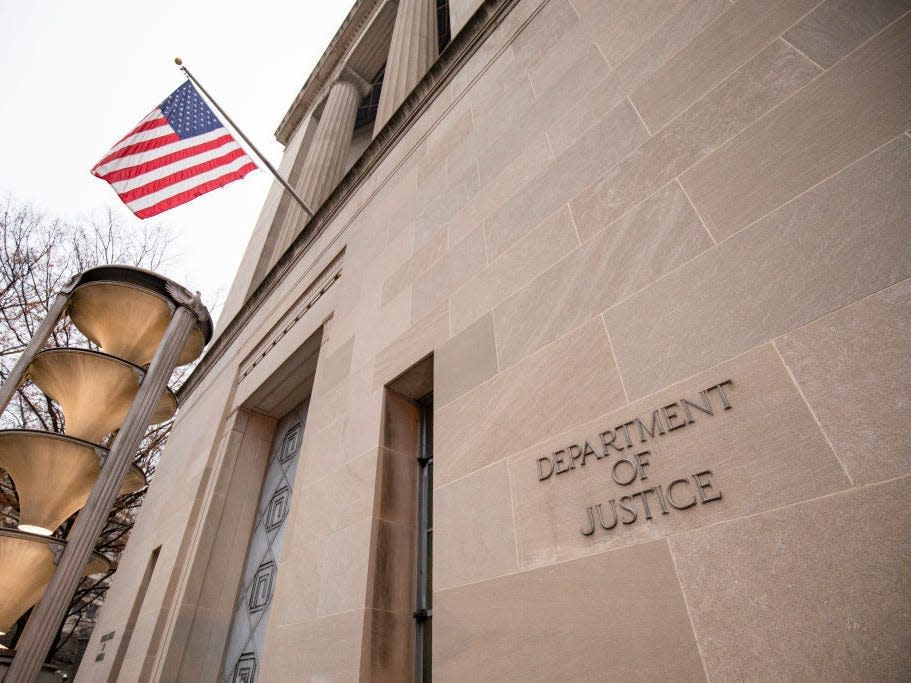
[[349, 75]]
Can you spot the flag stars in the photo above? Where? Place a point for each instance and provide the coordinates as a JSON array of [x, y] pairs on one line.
[[188, 114]]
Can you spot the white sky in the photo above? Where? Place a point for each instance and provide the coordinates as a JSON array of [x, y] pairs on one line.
[[75, 76]]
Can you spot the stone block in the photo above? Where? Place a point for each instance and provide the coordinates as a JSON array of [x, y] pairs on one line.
[[422, 258], [853, 108], [815, 591], [545, 31], [566, 383], [522, 165], [839, 242], [853, 367], [472, 518], [441, 210], [719, 50], [463, 362], [321, 449], [396, 486], [502, 91], [615, 616], [565, 83], [315, 649], [336, 366], [654, 52], [620, 27], [597, 150], [433, 287], [763, 452], [390, 582], [343, 564], [377, 325], [836, 27], [298, 584], [450, 132], [572, 56], [525, 260], [420, 339], [343, 495], [364, 422], [388, 647], [653, 239], [760, 84]]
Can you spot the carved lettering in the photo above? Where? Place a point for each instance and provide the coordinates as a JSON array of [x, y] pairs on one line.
[[605, 443], [706, 406], [670, 495], [701, 486], [660, 422], [632, 473], [558, 460], [545, 460], [643, 430], [587, 450], [625, 508], [637, 505], [720, 387], [574, 454], [613, 516], [670, 416]]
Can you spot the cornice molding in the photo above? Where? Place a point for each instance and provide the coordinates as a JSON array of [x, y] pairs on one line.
[[316, 84]]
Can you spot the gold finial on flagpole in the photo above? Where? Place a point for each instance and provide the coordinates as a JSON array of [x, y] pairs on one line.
[[178, 61]]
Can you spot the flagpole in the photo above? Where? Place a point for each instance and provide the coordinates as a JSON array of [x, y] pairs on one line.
[[179, 62]]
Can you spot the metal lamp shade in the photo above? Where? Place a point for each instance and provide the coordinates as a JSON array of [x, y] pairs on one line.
[[127, 321], [26, 566], [94, 390], [54, 475]]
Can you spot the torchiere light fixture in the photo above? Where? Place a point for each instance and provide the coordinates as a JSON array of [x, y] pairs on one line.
[[146, 325]]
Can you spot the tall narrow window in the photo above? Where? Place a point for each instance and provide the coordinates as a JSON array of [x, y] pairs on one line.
[[443, 29], [134, 615], [366, 110], [424, 598], [254, 603]]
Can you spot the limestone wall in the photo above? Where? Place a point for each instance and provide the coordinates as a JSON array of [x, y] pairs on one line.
[[611, 207]]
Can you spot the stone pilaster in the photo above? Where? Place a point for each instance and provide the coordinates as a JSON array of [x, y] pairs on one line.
[[413, 49]]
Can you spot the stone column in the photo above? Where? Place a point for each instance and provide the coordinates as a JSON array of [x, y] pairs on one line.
[[324, 164], [413, 49]]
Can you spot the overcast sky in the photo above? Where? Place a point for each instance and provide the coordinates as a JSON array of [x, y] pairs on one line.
[[76, 76]]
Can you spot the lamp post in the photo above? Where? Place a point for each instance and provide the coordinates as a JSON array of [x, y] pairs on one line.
[[166, 326]]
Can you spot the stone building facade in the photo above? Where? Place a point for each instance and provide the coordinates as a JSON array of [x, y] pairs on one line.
[[593, 363]]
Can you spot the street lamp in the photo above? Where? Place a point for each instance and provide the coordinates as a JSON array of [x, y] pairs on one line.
[[146, 325], [53, 475], [94, 390], [27, 562]]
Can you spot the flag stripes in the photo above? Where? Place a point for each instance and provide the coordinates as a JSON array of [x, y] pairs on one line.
[[186, 195], [177, 152]]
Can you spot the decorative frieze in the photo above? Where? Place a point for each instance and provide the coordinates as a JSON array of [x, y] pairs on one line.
[[311, 295]]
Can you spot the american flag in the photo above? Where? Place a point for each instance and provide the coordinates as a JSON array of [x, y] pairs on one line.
[[176, 153]]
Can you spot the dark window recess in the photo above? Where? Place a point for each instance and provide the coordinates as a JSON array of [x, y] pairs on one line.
[[424, 598], [443, 30], [366, 110]]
